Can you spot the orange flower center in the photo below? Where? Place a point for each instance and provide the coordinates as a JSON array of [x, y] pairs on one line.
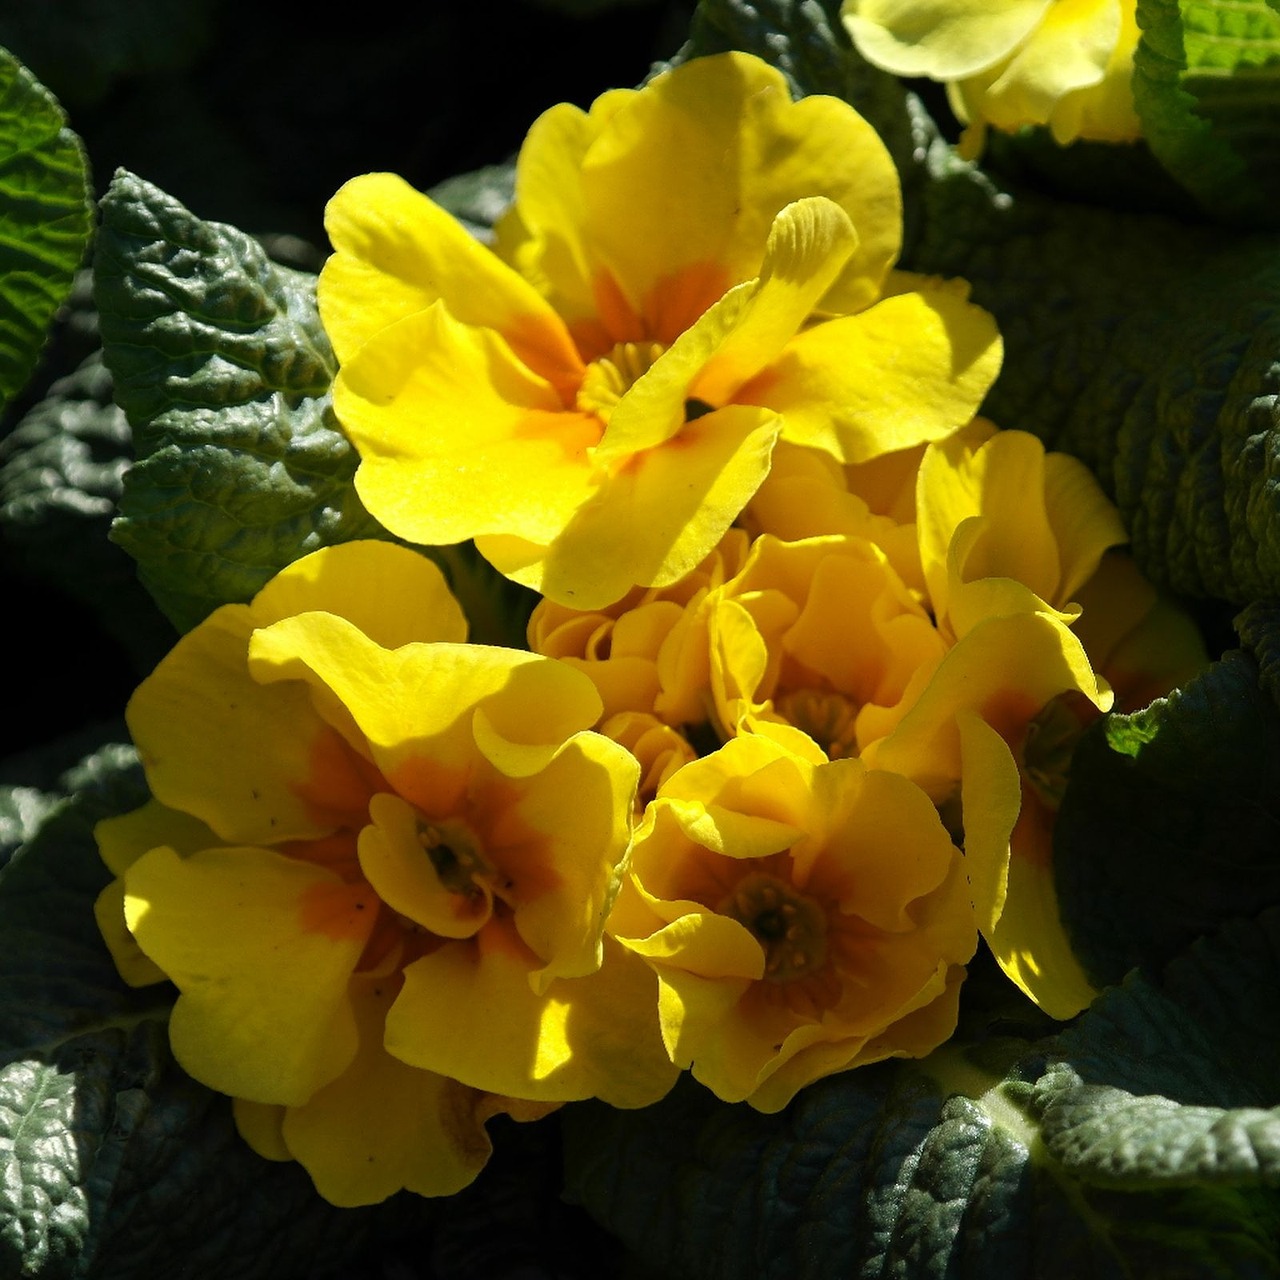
[[791, 927]]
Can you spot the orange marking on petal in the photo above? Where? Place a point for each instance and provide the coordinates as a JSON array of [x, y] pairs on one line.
[[677, 301], [339, 782], [574, 432], [338, 911]]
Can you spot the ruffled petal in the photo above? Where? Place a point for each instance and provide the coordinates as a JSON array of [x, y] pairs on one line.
[[942, 39], [911, 368], [685, 179], [257, 765], [383, 1126], [468, 1011], [457, 437], [392, 594], [261, 948], [398, 252]]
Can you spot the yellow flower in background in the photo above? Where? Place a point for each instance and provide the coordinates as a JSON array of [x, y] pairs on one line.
[[690, 270], [1066, 64], [377, 867], [803, 916]]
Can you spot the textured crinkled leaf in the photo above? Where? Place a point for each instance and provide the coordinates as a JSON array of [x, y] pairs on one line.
[[1147, 348], [1206, 83], [1258, 626], [46, 214], [117, 1165], [979, 1161], [1171, 822], [223, 369], [1113, 1138]]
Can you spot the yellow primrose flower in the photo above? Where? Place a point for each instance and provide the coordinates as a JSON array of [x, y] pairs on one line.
[[377, 867], [689, 270], [1067, 64], [1003, 524], [803, 916], [972, 739]]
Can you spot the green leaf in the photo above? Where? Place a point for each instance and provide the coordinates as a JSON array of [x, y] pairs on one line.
[[46, 214], [61, 475], [1142, 346], [1005, 1158], [223, 369], [1207, 87], [1170, 825], [117, 1165]]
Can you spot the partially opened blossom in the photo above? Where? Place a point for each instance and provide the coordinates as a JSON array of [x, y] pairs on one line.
[[690, 271], [803, 916], [377, 867], [1067, 64]]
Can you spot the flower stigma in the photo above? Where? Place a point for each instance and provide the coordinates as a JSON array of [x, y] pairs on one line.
[[791, 927], [455, 854]]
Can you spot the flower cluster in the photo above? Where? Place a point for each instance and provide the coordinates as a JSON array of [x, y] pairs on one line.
[[1012, 63], [813, 649]]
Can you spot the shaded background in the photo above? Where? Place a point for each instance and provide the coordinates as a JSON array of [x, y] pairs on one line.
[[255, 115]]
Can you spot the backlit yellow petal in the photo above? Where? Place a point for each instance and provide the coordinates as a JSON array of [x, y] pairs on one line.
[[944, 39], [687, 177]]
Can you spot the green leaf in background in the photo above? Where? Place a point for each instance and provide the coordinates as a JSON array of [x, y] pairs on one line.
[[1171, 823], [117, 1165], [61, 475], [1207, 87], [1144, 347], [223, 370], [1000, 1159], [46, 215]]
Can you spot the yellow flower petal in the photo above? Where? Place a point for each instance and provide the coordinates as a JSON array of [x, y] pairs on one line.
[[398, 252], [468, 1011], [1028, 939], [687, 176], [233, 755], [911, 368], [261, 948], [457, 437], [122, 840], [809, 243], [383, 1126], [659, 515], [1068, 50], [392, 594], [415, 705], [944, 39], [543, 234], [132, 963]]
